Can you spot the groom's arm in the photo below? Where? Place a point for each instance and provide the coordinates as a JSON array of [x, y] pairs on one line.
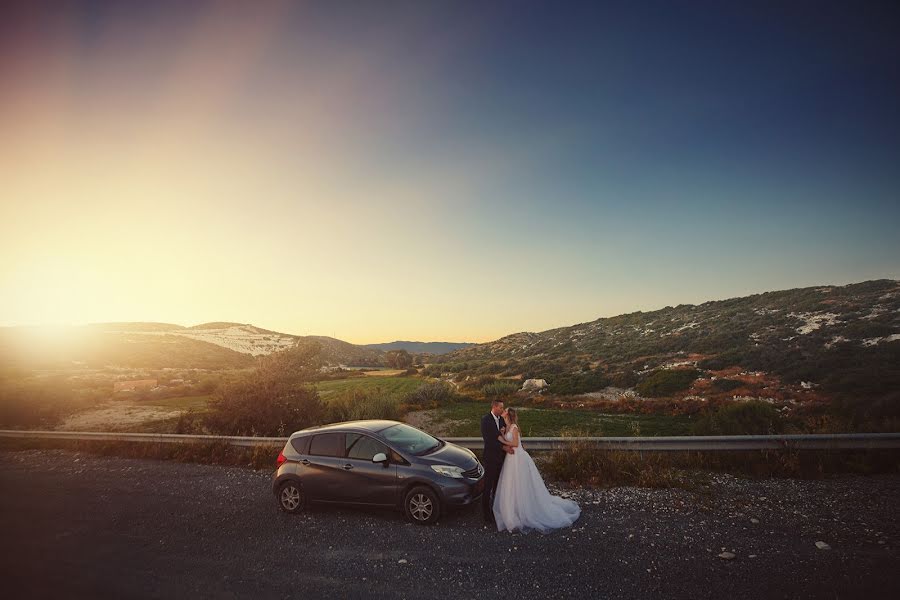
[[486, 433]]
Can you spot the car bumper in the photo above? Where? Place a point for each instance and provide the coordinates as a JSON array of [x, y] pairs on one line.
[[463, 492]]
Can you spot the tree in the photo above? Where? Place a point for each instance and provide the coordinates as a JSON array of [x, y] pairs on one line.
[[275, 400], [398, 359]]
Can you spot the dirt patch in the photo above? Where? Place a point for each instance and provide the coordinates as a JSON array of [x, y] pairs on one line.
[[431, 421], [116, 414]]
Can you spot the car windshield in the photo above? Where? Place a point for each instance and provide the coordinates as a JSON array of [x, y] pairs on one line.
[[409, 439]]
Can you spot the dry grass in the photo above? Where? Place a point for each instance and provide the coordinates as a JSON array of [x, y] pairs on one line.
[[582, 464], [217, 453]]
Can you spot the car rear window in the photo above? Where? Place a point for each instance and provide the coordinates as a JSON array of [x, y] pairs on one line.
[[327, 444], [301, 444]]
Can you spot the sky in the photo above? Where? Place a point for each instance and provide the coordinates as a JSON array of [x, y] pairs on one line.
[[439, 170]]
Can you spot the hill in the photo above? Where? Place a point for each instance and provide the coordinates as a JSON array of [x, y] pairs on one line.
[[435, 348], [159, 345], [103, 346], [339, 352], [817, 343]]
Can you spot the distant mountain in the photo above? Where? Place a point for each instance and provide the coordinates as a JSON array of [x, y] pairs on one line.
[[339, 352], [818, 341], [420, 347]]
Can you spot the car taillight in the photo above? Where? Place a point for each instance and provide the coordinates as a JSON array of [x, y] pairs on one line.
[[281, 459]]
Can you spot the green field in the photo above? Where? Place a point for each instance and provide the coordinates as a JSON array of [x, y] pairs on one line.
[[393, 385], [465, 419], [181, 402]]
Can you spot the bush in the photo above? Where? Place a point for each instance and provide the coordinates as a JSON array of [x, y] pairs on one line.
[[431, 395], [579, 383], [357, 404], [723, 360], [665, 382], [741, 418], [433, 370], [476, 383], [499, 388], [43, 403], [264, 407], [625, 379], [726, 385]]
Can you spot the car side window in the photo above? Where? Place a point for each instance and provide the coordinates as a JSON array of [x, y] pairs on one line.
[[364, 447], [327, 444], [301, 444]]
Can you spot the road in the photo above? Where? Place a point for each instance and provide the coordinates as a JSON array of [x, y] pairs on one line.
[[77, 525]]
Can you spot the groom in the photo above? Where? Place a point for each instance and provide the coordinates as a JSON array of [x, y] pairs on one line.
[[492, 424]]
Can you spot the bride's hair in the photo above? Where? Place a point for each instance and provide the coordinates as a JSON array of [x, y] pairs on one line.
[[513, 417]]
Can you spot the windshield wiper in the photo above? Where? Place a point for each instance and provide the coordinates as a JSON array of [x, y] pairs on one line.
[[433, 448]]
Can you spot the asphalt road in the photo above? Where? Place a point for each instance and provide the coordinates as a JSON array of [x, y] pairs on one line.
[[76, 525]]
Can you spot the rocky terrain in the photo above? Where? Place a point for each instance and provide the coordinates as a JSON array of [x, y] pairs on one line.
[[77, 525], [821, 341]]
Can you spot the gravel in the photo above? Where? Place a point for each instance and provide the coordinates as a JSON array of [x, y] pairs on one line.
[[78, 525]]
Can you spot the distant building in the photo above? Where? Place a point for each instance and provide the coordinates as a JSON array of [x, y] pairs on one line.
[[134, 385]]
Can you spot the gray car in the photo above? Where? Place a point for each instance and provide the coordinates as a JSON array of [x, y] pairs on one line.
[[376, 463]]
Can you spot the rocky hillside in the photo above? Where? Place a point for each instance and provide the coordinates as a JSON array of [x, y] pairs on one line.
[[159, 345], [829, 340]]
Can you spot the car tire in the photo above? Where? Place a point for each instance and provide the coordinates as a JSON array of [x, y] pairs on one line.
[[422, 506], [290, 497]]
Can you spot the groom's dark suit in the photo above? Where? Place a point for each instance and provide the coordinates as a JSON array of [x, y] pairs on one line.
[[494, 455]]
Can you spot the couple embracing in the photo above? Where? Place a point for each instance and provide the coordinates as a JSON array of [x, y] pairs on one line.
[[515, 497]]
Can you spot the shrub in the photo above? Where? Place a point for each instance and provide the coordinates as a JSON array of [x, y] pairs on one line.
[[358, 404], [430, 395], [726, 385], [433, 370], [665, 382], [741, 418], [723, 360], [43, 404], [579, 383], [264, 407], [625, 379], [499, 388], [476, 383]]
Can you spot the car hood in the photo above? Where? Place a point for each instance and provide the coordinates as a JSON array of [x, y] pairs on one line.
[[451, 454]]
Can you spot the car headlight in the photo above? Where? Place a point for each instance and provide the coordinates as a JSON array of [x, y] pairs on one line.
[[455, 472]]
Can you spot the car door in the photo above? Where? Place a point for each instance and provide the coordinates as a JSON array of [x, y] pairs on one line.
[[323, 474], [368, 482]]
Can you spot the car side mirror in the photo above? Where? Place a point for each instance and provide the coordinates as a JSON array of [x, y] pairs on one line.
[[381, 457]]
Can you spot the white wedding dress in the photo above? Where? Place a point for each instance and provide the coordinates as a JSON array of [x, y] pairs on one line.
[[522, 501]]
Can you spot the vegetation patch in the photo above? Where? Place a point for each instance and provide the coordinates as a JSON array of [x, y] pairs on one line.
[[665, 382], [216, 453], [583, 464], [741, 418]]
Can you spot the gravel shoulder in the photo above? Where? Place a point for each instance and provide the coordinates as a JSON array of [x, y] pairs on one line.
[[78, 525]]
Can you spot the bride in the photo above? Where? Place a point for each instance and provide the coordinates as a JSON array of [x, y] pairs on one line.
[[522, 501]]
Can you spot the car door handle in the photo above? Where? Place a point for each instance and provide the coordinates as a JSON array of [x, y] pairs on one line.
[[304, 462], [348, 466]]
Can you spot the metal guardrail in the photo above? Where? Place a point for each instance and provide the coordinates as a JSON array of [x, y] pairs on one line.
[[838, 441]]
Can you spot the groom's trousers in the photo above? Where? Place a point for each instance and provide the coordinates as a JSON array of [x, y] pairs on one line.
[[491, 478]]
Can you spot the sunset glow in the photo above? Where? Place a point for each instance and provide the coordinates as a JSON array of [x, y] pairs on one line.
[[316, 172]]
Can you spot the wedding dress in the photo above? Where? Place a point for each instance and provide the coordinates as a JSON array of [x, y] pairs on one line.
[[522, 501]]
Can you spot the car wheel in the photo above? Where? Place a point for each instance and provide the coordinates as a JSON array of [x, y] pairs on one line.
[[422, 506], [290, 497]]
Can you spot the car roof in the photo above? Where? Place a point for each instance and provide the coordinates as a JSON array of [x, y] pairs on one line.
[[369, 426]]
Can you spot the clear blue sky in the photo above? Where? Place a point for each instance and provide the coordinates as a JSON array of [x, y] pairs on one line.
[[448, 170]]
